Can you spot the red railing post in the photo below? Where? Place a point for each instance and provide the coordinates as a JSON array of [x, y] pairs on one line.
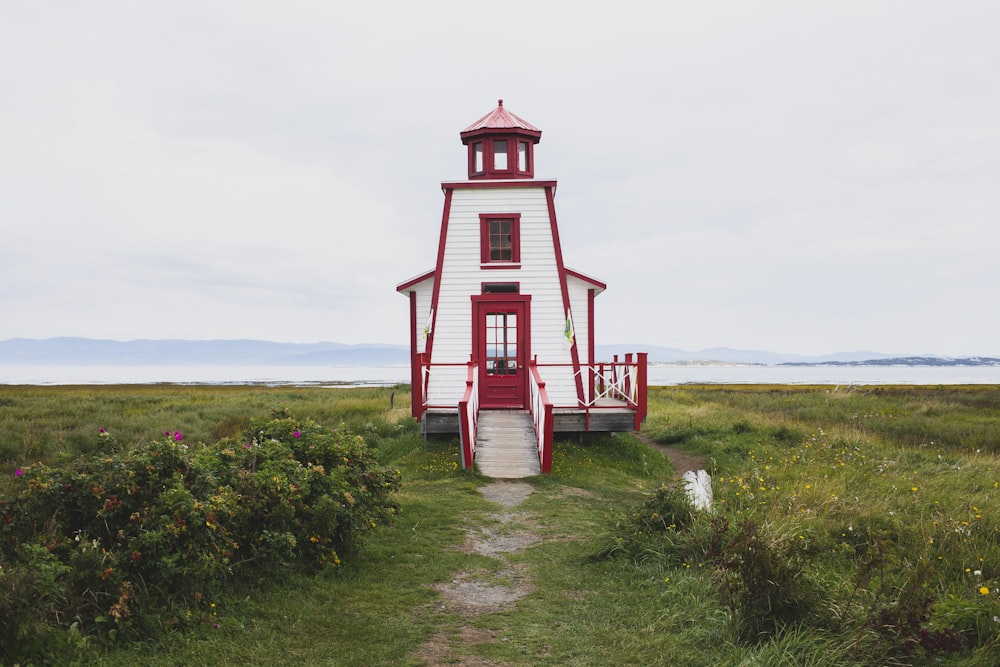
[[640, 396], [467, 420], [417, 386], [547, 438], [626, 381]]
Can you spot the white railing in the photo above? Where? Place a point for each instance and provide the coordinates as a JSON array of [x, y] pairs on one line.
[[618, 381], [468, 417]]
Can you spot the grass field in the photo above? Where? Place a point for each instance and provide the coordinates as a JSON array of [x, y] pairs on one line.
[[851, 526]]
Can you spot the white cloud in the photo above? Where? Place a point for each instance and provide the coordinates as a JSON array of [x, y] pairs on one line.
[[789, 176]]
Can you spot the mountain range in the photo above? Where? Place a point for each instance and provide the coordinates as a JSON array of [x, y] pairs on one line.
[[69, 351]]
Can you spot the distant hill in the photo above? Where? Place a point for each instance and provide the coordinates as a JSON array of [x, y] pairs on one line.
[[98, 352], [728, 355], [89, 351]]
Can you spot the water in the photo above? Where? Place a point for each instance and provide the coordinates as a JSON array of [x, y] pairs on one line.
[[267, 375], [665, 374], [660, 375]]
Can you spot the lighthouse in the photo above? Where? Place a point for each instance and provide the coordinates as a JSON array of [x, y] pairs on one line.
[[500, 322]]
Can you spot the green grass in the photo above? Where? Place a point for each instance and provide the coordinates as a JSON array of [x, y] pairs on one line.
[[889, 490]]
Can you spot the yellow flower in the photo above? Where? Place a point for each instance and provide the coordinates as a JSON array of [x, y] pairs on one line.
[[913, 488], [983, 590]]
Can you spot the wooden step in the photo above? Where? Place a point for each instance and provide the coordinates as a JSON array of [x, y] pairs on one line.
[[506, 447]]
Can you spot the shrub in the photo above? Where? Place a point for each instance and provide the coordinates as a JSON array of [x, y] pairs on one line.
[[136, 537]]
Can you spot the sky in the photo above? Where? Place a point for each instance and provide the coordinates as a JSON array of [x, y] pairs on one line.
[[795, 177]]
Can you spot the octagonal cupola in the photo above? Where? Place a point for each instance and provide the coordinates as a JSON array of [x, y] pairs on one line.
[[501, 146]]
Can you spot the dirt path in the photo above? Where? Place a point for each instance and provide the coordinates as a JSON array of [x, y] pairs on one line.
[[471, 593], [682, 462]]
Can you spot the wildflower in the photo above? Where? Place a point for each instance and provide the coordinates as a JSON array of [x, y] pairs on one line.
[[18, 472], [296, 434], [984, 590], [913, 488], [978, 573], [177, 436]]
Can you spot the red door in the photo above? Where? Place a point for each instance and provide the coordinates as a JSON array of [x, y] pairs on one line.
[[502, 331]]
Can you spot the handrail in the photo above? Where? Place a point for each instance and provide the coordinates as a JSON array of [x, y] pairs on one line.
[[541, 415], [622, 381], [468, 417]]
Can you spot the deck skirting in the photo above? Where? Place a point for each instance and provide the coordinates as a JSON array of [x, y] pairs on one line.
[[564, 420]]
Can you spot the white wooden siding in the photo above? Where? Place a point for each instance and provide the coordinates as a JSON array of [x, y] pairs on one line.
[[424, 292], [461, 277]]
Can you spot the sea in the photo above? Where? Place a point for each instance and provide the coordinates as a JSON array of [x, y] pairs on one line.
[[352, 376]]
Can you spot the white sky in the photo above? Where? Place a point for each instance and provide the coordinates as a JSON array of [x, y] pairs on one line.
[[802, 177]]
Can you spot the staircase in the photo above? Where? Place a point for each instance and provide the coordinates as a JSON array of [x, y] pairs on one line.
[[506, 446]]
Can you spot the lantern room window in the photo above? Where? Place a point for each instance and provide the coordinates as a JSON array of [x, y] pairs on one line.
[[500, 240], [477, 157], [522, 156], [500, 155], [496, 157]]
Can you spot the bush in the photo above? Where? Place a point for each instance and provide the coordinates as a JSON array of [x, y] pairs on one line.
[[137, 537]]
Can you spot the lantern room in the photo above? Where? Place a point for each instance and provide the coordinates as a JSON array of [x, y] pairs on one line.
[[501, 145]]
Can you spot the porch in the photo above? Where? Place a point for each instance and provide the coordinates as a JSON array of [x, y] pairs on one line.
[[613, 400]]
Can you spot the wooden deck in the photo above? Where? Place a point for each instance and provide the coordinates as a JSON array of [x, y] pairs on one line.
[[506, 447], [607, 417]]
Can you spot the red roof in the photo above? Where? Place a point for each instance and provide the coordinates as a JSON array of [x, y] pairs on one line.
[[501, 119]]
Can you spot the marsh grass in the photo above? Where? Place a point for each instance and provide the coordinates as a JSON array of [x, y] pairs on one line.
[[881, 502]]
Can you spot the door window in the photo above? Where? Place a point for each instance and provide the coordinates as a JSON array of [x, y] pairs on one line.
[[501, 343]]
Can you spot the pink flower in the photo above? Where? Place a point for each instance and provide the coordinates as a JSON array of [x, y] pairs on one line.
[[18, 472], [177, 436], [296, 434]]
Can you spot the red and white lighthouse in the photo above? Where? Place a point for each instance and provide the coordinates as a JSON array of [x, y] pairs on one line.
[[500, 312]]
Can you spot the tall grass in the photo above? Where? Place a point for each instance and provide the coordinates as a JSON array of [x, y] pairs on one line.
[[884, 500], [852, 526]]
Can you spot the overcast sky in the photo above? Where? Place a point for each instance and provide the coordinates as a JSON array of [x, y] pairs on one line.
[[802, 177]]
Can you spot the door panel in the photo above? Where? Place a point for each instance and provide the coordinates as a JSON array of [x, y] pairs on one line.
[[501, 334]]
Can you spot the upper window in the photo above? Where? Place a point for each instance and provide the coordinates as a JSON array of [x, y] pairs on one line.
[[500, 155], [477, 157], [500, 238]]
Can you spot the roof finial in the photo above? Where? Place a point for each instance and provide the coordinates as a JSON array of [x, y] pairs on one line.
[[500, 102]]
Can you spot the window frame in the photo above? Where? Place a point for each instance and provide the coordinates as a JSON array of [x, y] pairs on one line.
[[515, 240]]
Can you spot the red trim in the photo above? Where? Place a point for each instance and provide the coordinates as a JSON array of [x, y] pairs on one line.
[[499, 265], [416, 400], [515, 241], [591, 293], [512, 183], [642, 406], [435, 295], [587, 279], [564, 288], [467, 425], [413, 282]]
